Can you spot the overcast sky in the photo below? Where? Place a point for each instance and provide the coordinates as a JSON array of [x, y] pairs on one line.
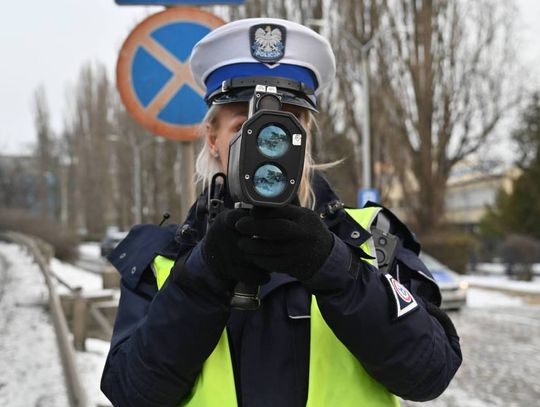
[[46, 43]]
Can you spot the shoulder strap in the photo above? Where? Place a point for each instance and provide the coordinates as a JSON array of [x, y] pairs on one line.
[[398, 228], [162, 268], [365, 217]]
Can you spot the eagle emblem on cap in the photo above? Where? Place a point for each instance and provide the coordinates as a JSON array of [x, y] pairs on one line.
[[267, 42]]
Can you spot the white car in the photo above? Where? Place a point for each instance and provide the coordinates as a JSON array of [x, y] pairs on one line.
[[453, 287]]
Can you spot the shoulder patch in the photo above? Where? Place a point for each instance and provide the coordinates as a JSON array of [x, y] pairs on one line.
[[404, 300], [421, 280]]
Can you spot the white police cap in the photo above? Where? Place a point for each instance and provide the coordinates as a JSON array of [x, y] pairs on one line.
[[256, 47]]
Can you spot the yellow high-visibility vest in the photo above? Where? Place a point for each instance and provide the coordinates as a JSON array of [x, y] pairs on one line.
[[336, 377]]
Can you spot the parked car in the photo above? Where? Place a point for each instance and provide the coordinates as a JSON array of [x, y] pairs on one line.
[[111, 240], [453, 287]]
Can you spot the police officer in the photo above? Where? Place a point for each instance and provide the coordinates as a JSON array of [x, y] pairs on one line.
[[332, 328]]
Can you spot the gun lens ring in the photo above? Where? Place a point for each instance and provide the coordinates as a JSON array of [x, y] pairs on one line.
[[273, 141], [269, 180]]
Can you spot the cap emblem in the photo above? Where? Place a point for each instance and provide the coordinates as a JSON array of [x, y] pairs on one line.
[[267, 42]]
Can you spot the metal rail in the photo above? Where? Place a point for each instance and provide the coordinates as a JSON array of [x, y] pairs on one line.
[[3, 270], [77, 395]]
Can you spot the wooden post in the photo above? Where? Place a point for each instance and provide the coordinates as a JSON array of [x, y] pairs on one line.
[[79, 322], [110, 278]]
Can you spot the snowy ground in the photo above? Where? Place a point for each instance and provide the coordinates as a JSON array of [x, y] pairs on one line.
[[499, 268], [30, 369], [501, 349], [91, 365], [75, 277], [503, 283], [90, 249], [90, 257], [478, 298], [28, 341], [91, 362]]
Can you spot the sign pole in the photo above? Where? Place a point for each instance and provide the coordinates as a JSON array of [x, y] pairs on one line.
[[187, 164], [157, 86]]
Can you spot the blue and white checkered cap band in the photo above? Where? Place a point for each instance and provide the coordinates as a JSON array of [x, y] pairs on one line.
[[263, 47]]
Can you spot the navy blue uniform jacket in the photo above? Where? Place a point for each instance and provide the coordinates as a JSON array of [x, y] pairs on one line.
[[161, 339]]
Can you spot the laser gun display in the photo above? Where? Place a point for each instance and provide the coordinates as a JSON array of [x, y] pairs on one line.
[[266, 157]]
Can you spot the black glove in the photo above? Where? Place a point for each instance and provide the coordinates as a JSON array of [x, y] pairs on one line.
[[290, 240], [221, 253]]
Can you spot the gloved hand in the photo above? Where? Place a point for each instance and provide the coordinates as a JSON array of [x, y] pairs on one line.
[[222, 254], [291, 240]]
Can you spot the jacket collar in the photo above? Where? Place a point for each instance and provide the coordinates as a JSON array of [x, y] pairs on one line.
[[331, 210]]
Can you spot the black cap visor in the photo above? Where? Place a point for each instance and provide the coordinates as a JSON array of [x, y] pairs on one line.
[[241, 90]]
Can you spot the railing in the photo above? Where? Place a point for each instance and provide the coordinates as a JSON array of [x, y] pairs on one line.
[[41, 253]]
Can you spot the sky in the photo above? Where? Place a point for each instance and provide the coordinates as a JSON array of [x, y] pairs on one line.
[[44, 43]]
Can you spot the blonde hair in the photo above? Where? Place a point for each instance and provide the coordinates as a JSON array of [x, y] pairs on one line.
[[207, 165]]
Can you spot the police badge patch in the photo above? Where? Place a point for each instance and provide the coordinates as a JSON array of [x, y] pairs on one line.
[[267, 42], [404, 300]]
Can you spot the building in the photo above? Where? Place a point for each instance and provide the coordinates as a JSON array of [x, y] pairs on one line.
[[21, 184], [470, 190]]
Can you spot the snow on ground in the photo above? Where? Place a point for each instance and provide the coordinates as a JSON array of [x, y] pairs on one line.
[[91, 365], [499, 268], [90, 249], [90, 258], [499, 340], [75, 277], [478, 298], [31, 372], [92, 361], [504, 283]]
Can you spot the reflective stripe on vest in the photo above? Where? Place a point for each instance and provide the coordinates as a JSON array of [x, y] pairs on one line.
[[215, 384], [336, 377]]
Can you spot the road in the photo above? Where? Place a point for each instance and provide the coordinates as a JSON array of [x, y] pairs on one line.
[[501, 347]]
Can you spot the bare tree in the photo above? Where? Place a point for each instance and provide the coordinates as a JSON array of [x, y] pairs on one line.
[[438, 86], [350, 27], [87, 125], [446, 65], [159, 159], [18, 177], [44, 151]]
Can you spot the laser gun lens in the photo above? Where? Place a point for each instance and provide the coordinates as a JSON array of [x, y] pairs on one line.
[[269, 181], [273, 141]]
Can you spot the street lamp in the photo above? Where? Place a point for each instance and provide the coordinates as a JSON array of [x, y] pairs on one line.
[[366, 126], [366, 123], [366, 120], [137, 179]]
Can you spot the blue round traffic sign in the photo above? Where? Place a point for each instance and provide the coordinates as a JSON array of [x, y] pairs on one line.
[[153, 75]]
